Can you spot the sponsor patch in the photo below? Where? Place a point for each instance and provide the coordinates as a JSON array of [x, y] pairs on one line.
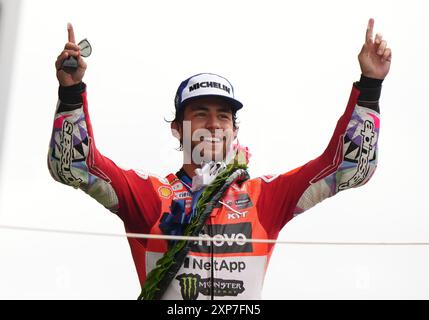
[[243, 201], [218, 264], [209, 84], [192, 285], [177, 186], [182, 194], [228, 238], [165, 192], [236, 215], [237, 201]]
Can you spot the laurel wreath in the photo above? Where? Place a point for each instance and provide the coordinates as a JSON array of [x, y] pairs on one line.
[[158, 280]]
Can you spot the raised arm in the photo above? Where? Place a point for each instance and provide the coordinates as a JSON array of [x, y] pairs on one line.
[[74, 160], [351, 156]]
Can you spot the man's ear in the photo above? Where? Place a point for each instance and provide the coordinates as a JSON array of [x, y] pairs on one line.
[[176, 130]]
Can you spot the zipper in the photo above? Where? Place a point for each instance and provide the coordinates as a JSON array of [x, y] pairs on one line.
[[211, 261]]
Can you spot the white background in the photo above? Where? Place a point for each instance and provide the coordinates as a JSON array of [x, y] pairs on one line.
[[292, 65]]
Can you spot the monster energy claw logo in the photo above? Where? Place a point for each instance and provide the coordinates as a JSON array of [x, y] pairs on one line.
[[191, 285]]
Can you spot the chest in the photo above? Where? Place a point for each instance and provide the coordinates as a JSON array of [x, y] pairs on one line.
[[233, 220]]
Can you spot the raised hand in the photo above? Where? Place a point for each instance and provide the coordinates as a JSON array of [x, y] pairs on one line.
[[69, 78], [375, 57]]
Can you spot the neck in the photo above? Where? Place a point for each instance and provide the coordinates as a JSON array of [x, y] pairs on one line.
[[190, 169]]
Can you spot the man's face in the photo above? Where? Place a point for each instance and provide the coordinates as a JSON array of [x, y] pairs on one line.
[[207, 130]]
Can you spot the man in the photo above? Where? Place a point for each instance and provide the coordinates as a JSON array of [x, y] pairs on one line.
[[211, 195]]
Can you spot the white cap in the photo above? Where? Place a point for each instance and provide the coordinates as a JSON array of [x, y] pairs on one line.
[[205, 85]]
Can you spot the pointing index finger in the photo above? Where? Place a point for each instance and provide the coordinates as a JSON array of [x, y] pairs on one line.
[[369, 31], [71, 33]]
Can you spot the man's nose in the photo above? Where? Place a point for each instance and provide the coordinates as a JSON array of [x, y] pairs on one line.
[[212, 122]]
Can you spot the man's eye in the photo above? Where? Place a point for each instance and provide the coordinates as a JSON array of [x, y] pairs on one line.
[[224, 116], [200, 114]]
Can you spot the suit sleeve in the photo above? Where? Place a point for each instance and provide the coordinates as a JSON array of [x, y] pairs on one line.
[[349, 161], [74, 160]]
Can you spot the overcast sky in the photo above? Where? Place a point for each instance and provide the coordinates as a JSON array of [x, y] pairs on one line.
[[292, 65]]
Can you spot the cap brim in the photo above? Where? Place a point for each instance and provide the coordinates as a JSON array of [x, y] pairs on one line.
[[235, 104]]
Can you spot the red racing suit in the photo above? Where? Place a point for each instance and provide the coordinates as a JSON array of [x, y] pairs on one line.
[[258, 208]]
